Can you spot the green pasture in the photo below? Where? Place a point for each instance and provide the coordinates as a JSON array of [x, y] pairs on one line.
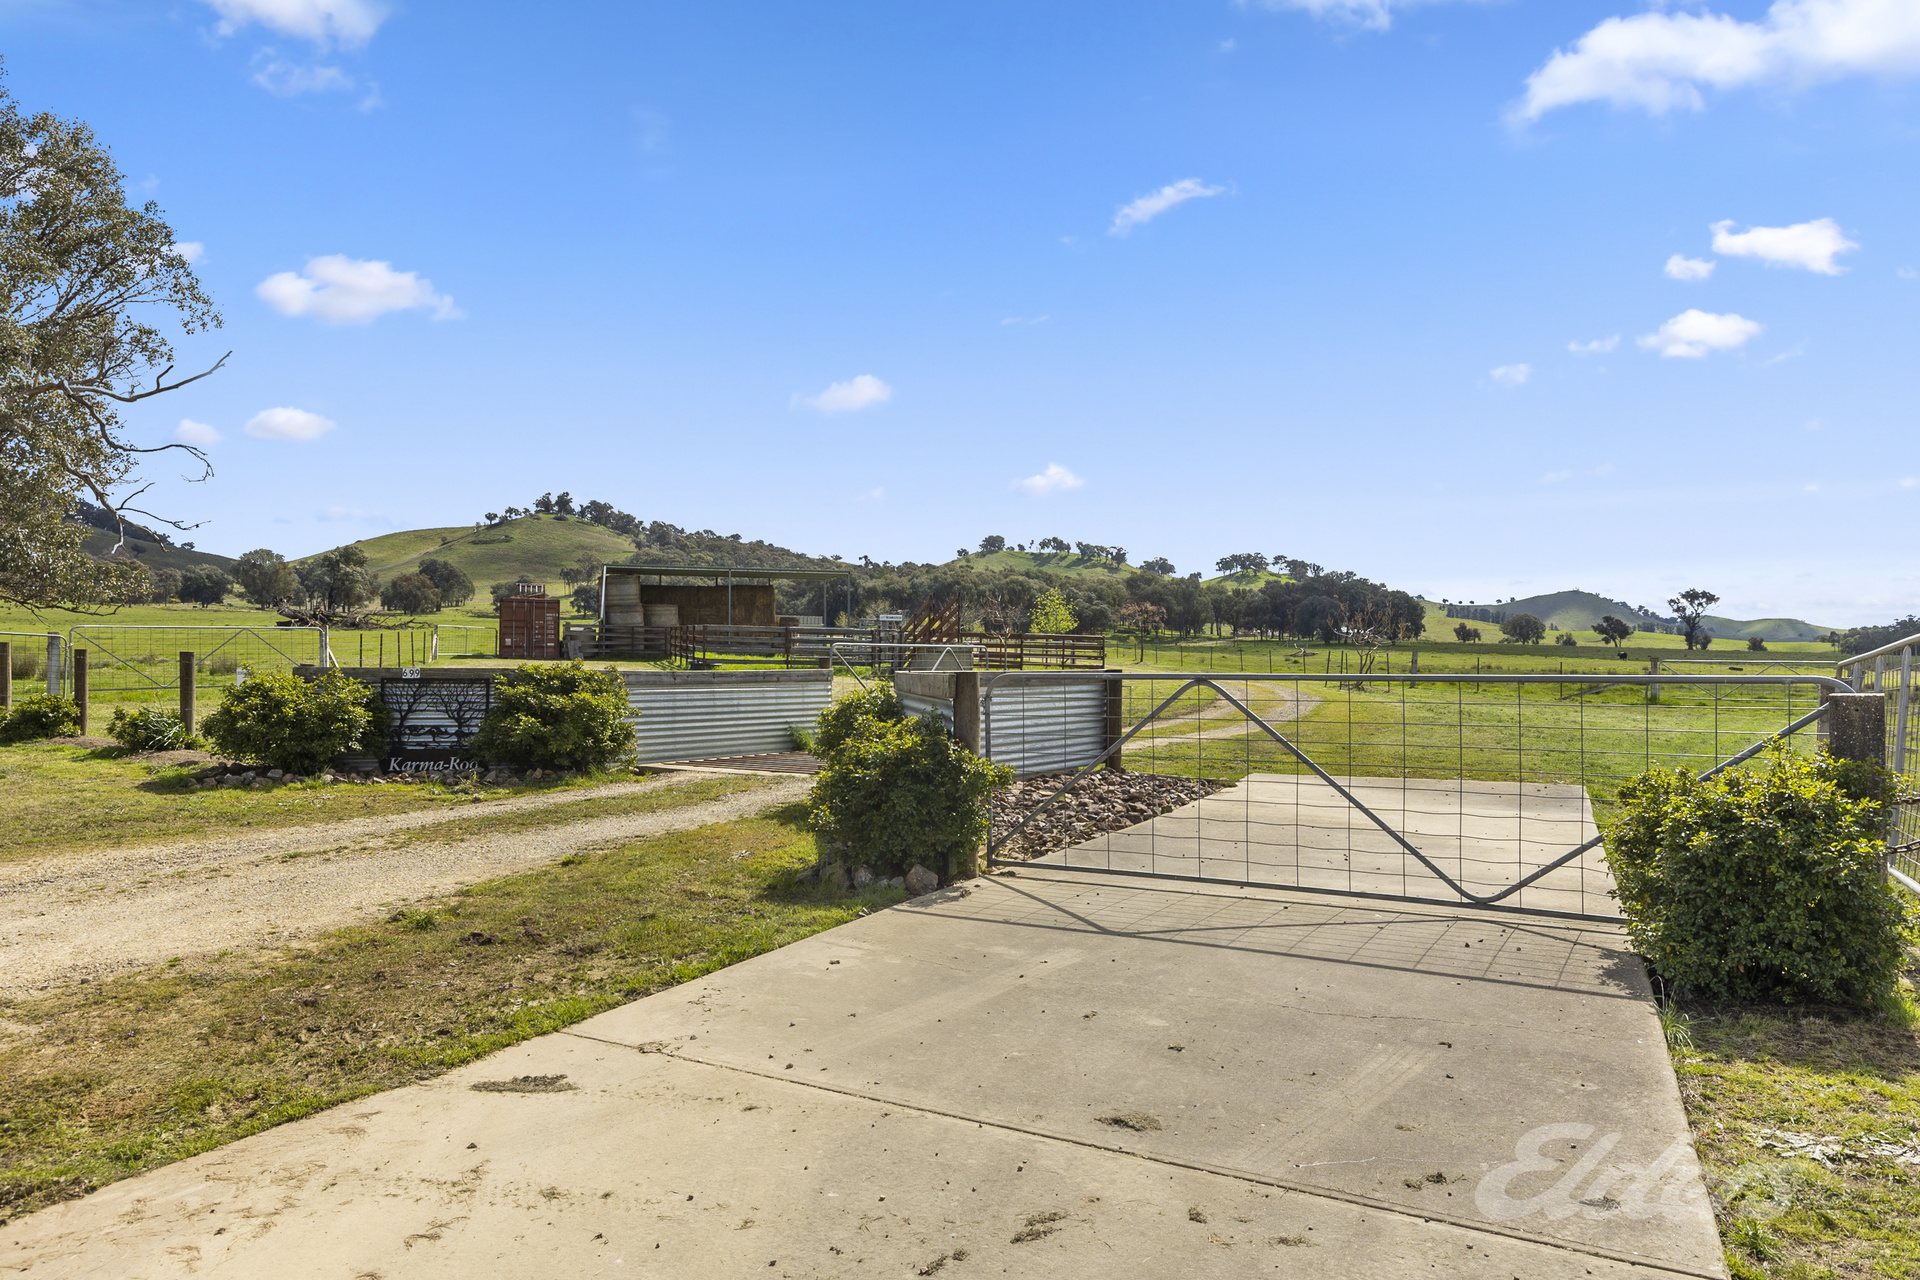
[[1547, 733]]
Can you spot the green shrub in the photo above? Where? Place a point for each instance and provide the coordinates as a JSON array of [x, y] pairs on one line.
[[149, 729], [286, 722], [1763, 883], [46, 716], [895, 792], [556, 715], [849, 717]]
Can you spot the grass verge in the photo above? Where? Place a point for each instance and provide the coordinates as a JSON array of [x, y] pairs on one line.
[[102, 1081], [1801, 1120], [56, 798]]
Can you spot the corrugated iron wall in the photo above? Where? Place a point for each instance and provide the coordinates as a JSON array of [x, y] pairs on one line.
[[1045, 727], [700, 715]]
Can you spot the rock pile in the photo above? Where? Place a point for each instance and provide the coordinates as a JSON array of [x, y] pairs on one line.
[[1105, 800]]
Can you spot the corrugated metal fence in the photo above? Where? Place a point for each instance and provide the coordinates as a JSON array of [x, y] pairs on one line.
[[702, 715], [1046, 727]]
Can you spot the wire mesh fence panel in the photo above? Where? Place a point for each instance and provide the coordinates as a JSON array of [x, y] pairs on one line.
[[135, 663], [1485, 791], [460, 640], [30, 663], [1889, 671]]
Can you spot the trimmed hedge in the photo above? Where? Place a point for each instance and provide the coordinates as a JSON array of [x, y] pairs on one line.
[[1764, 883], [556, 715]]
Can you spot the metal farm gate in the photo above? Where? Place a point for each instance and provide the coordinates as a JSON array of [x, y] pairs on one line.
[[1460, 790]]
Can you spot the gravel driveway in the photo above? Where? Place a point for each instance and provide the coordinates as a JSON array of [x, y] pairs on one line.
[[66, 918]]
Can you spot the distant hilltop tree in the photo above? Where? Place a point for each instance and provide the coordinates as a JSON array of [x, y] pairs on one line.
[[1244, 562], [991, 544], [1160, 565]]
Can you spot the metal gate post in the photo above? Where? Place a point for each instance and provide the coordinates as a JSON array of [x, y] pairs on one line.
[[1900, 712], [55, 685], [80, 687], [186, 690]]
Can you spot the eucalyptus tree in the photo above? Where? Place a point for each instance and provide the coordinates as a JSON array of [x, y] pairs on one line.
[[88, 286]]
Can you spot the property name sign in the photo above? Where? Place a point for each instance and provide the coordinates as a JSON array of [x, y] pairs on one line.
[[430, 722]]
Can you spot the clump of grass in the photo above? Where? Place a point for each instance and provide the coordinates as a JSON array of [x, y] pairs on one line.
[[186, 1056]]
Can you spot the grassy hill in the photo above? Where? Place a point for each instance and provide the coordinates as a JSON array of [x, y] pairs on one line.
[[1580, 610], [1070, 562], [1249, 578], [538, 546], [152, 554]]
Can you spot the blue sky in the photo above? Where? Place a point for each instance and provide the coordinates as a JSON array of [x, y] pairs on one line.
[[1303, 277]]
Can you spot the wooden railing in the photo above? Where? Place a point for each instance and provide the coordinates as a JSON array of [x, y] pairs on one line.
[[1025, 651], [713, 644]]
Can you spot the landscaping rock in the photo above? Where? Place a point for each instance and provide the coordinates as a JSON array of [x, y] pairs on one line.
[[895, 882], [862, 877], [1106, 800], [920, 880]]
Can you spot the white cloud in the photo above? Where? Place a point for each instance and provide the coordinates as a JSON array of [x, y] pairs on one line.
[[1374, 14], [195, 433], [287, 424], [1680, 267], [1811, 246], [1053, 478], [1555, 477], [1511, 375], [1148, 207], [1693, 333], [857, 393], [1024, 320], [1658, 61], [289, 80], [345, 290], [324, 22], [348, 513], [1907, 482], [1598, 347], [191, 250], [1906, 273]]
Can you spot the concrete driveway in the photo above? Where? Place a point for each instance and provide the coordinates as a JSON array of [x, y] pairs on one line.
[[1046, 1074]]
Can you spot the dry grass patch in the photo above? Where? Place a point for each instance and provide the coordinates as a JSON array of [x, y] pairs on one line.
[[104, 1080]]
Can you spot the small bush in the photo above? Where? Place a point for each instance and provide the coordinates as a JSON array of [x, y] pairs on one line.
[[848, 718], [556, 715], [1763, 883], [286, 722], [46, 716], [895, 792], [149, 729]]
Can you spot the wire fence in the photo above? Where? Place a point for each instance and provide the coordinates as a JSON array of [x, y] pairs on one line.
[[1889, 671], [458, 640], [36, 657], [130, 664], [1478, 790]]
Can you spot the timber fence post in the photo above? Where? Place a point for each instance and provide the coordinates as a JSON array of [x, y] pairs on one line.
[[186, 690]]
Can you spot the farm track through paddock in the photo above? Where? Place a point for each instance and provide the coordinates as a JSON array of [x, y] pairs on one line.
[[67, 917]]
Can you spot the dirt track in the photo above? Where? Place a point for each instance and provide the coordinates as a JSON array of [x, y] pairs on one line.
[[67, 917]]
